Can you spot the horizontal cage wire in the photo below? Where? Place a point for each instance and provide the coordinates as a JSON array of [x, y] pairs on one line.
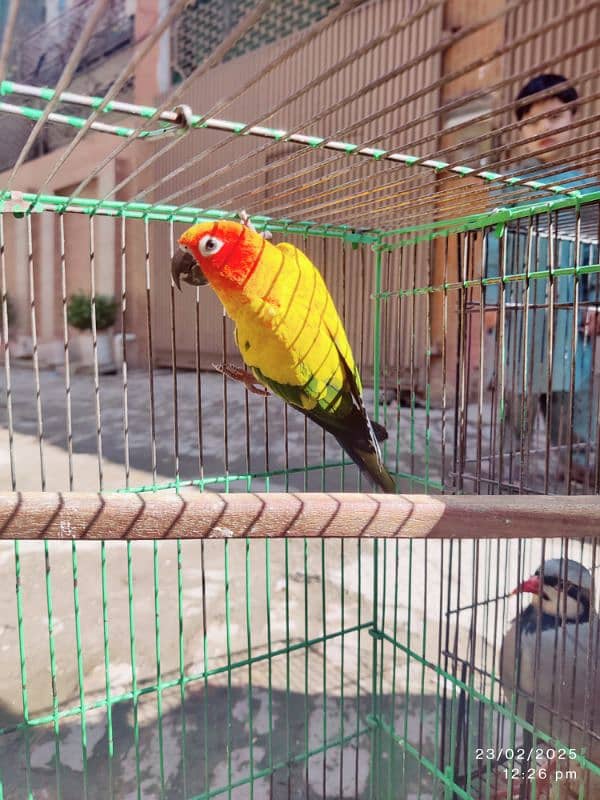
[[433, 642]]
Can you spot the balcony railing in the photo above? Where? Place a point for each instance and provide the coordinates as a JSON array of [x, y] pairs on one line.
[[40, 55]]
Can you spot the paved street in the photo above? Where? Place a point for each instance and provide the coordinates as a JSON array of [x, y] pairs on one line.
[[241, 439]]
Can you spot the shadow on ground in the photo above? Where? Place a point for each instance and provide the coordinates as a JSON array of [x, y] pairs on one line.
[[216, 739]]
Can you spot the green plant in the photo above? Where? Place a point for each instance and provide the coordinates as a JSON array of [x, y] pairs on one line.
[[79, 311]]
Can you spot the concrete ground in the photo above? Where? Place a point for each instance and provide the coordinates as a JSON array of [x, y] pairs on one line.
[[246, 719], [234, 434]]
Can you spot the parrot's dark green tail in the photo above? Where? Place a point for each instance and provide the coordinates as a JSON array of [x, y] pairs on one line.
[[349, 423], [359, 437], [357, 434], [366, 455], [380, 432]]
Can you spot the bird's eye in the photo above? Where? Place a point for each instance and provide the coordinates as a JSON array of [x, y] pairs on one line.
[[209, 245]]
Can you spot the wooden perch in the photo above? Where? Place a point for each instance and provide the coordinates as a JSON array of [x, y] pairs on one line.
[[166, 514]]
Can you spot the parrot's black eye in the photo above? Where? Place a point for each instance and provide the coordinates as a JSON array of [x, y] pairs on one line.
[[209, 245]]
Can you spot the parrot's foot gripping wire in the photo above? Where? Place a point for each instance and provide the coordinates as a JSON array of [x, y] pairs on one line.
[[184, 121], [245, 220], [243, 376]]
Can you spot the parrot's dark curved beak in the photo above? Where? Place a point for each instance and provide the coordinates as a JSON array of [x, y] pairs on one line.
[[184, 267]]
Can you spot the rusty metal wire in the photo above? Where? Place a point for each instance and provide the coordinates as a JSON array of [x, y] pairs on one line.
[[276, 63], [7, 36], [318, 80], [405, 183], [343, 189], [379, 81], [546, 27], [65, 79], [138, 55]]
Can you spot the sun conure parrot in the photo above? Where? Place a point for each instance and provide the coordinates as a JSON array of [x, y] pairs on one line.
[[287, 329]]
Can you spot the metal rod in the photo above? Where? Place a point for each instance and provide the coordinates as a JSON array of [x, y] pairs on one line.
[[7, 38], [276, 63], [139, 53], [18, 203], [88, 515], [276, 134], [249, 19], [64, 80], [284, 161]]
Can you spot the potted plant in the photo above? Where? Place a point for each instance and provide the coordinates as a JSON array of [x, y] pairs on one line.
[[79, 315]]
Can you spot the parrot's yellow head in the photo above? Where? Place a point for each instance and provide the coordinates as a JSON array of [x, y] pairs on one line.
[[223, 253]]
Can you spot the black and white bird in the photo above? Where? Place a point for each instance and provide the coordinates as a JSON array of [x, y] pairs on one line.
[[550, 660]]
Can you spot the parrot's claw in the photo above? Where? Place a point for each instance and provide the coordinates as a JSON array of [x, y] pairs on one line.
[[243, 376], [245, 220]]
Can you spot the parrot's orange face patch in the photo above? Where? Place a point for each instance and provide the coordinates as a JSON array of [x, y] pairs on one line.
[[226, 251]]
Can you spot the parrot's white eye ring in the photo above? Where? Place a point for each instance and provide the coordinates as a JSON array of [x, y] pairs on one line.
[[209, 245]]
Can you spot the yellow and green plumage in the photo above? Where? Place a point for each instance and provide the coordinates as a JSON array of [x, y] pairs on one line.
[[288, 331]]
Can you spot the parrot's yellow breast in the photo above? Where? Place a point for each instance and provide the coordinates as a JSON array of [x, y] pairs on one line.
[[287, 326]]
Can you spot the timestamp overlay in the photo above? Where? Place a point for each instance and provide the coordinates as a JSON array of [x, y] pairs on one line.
[[541, 763]]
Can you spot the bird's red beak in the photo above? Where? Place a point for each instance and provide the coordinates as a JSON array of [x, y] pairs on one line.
[[531, 585]]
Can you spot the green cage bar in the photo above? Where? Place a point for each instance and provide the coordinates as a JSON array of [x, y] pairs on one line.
[[326, 661]]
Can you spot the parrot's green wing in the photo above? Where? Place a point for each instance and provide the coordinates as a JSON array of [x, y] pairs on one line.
[[349, 423]]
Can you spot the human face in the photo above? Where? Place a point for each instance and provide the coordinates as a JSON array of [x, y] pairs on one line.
[[554, 116]]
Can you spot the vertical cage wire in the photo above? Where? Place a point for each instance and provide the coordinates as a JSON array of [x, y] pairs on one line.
[[454, 422], [346, 668], [109, 734]]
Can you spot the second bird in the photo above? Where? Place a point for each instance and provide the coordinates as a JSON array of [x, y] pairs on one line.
[[549, 670], [288, 331]]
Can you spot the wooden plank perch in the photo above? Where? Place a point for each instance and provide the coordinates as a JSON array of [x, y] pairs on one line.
[[34, 515]]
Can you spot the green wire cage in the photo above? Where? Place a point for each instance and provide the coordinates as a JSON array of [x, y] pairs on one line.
[[202, 597], [352, 667]]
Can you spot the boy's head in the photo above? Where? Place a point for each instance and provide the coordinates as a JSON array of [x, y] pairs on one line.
[[555, 115]]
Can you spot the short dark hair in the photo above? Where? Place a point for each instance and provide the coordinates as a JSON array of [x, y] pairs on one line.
[[539, 84]]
